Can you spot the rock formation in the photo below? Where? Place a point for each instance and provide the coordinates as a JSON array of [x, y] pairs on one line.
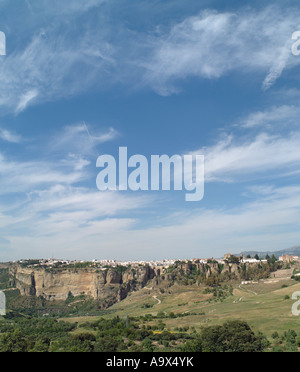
[[111, 284], [58, 284]]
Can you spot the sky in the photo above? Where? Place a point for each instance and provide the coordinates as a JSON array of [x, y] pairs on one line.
[[213, 78]]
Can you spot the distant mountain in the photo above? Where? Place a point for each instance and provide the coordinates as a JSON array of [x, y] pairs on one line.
[[293, 251]]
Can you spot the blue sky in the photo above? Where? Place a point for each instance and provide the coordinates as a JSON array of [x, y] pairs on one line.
[[81, 79]]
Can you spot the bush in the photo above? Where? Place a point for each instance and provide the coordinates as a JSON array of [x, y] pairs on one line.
[[233, 336]]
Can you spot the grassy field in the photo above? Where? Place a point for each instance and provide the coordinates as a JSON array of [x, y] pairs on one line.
[[266, 306]]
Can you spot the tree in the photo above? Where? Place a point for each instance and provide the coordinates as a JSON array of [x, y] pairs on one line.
[[233, 260], [14, 342], [273, 259], [107, 345], [147, 344], [291, 348], [194, 346], [277, 349], [290, 336], [233, 336]]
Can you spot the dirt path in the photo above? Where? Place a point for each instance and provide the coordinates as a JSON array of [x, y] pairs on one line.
[[239, 300], [247, 290], [157, 299]]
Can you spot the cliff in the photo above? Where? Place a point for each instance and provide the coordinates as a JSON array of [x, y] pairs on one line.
[[192, 273], [58, 284], [112, 284]]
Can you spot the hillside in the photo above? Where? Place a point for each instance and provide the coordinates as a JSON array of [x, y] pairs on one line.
[[200, 293], [169, 312], [114, 284], [265, 305]]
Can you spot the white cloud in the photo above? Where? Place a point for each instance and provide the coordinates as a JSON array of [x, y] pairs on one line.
[[25, 176], [76, 162], [62, 60], [54, 62], [284, 116], [25, 99], [81, 139], [67, 216], [41, 202], [269, 223], [213, 44], [8, 136], [240, 160], [278, 66]]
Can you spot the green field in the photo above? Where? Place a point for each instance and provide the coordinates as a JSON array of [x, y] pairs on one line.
[[264, 306]]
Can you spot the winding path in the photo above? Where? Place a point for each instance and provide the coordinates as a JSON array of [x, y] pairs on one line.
[[157, 299]]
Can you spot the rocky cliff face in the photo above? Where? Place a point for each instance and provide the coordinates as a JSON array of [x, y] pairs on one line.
[[110, 285], [207, 270], [59, 284]]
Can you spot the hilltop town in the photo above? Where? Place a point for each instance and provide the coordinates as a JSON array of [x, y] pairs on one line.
[[165, 263]]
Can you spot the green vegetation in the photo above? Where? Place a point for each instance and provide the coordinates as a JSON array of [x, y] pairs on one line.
[[219, 293], [32, 334], [260, 271], [38, 306], [4, 279], [193, 273], [186, 310], [288, 342], [29, 263], [233, 260], [296, 274], [233, 336], [261, 304], [113, 335]]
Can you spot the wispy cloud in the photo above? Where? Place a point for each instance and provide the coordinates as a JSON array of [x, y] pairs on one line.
[[234, 159], [81, 139], [206, 231], [280, 63], [52, 214], [25, 176], [61, 60], [284, 116], [8, 136], [48, 195], [213, 44], [25, 99], [55, 61]]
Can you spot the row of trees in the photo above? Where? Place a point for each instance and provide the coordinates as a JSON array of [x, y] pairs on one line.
[[119, 335]]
